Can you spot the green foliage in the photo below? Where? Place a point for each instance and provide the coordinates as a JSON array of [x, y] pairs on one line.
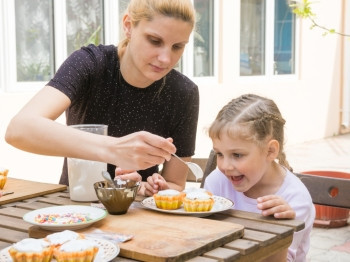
[[302, 9]]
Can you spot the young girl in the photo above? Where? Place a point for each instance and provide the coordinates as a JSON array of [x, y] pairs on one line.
[[253, 172], [151, 109]]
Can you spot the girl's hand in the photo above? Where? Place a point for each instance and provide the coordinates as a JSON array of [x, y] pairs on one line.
[[154, 184], [276, 206]]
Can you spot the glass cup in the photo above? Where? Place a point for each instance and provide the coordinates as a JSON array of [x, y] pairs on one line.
[[82, 174]]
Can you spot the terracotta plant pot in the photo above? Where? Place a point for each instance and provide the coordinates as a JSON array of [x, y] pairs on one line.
[[326, 216]]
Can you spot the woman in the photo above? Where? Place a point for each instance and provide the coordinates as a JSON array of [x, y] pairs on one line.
[[151, 109]]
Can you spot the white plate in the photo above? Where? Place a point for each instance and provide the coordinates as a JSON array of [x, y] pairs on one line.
[[107, 251], [94, 213], [221, 204]]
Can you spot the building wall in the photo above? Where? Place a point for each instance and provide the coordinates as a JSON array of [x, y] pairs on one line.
[[310, 102]]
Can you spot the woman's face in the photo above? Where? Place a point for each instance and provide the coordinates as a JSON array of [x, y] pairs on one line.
[[242, 162], [154, 47]]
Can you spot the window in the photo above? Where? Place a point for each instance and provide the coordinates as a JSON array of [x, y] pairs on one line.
[[258, 54], [203, 39], [40, 34], [84, 23], [34, 45]]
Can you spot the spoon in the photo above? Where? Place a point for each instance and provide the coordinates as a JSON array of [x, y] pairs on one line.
[[108, 177], [196, 169]]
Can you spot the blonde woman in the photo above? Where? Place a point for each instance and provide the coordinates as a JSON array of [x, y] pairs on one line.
[[151, 109]]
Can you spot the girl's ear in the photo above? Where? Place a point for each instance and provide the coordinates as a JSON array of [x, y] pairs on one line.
[[127, 25], [273, 148]]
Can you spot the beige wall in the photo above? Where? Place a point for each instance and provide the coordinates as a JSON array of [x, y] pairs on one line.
[[310, 102]]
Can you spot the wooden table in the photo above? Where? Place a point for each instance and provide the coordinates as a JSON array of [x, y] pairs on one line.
[[248, 236]]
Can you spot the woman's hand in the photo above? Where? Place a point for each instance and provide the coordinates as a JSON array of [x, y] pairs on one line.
[[276, 206], [141, 150]]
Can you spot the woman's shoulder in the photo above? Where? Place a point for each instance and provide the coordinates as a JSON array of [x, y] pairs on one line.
[[174, 76]]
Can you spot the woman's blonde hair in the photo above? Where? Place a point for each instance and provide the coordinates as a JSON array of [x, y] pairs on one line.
[[253, 118], [139, 10]]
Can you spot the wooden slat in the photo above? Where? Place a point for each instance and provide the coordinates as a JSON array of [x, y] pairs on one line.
[[202, 259], [33, 205], [297, 225], [14, 223], [12, 236], [61, 201], [243, 246], [24, 189], [251, 224], [222, 254], [320, 188], [4, 245], [13, 212], [269, 250], [263, 238], [64, 194]]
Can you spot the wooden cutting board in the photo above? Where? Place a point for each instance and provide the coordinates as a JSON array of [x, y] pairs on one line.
[[163, 237], [24, 189]]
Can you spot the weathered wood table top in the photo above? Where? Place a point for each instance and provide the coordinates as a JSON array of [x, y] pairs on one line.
[[226, 236]]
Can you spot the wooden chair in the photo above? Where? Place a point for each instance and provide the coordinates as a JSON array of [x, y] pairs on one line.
[[328, 191]]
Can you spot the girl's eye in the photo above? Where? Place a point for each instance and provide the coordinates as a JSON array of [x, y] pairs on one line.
[[237, 155], [218, 154]]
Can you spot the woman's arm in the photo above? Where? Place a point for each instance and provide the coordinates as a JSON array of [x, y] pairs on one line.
[[35, 130]]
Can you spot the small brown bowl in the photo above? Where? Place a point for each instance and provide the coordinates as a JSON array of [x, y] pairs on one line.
[[116, 200]]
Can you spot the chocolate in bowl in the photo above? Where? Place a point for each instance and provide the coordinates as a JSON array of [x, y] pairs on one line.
[[117, 200]]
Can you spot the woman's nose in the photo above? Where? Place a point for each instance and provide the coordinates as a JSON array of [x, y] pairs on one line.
[[165, 56]]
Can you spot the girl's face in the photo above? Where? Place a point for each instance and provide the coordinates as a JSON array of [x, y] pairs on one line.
[[154, 47], [243, 163]]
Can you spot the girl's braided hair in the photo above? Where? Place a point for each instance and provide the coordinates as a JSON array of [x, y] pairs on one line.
[[253, 118]]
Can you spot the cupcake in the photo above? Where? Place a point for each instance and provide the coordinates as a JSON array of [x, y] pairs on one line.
[[31, 250], [59, 238], [3, 177], [198, 202], [78, 250], [196, 189], [168, 199]]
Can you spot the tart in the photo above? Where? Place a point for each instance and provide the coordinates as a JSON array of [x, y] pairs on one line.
[[196, 189], [59, 238], [3, 177], [169, 199], [31, 250], [78, 250], [198, 202]]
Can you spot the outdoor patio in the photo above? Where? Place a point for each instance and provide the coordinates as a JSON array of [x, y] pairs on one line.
[[332, 153]]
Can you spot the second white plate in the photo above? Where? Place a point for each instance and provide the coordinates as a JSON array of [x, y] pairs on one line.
[[93, 213], [221, 204]]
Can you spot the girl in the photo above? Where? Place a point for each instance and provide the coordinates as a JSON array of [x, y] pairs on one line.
[[151, 109], [253, 172]]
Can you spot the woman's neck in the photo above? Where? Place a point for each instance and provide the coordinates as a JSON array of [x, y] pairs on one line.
[[130, 73]]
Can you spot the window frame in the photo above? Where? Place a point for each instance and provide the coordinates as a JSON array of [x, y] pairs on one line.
[[269, 49]]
